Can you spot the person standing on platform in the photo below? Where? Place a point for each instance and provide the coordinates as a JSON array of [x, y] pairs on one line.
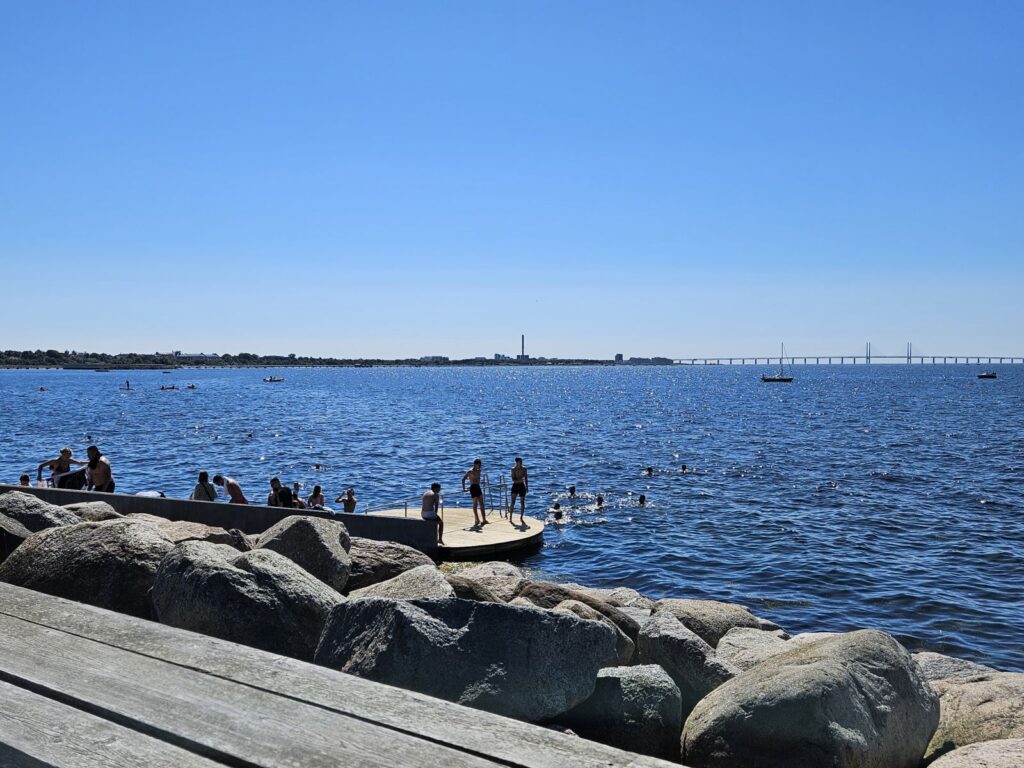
[[476, 492], [519, 488], [429, 510]]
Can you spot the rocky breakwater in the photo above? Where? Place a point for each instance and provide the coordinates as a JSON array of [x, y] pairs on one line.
[[701, 681]]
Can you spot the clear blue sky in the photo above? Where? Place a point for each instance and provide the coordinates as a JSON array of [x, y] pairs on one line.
[[392, 179]]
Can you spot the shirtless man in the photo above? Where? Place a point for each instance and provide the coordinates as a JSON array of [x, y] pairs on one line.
[[60, 465], [349, 501], [476, 492], [431, 502], [519, 487], [100, 477], [234, 490], [275, 489]]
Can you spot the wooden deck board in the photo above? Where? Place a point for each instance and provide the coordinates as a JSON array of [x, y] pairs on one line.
[[37, 731], [463, 539], [437, 728]]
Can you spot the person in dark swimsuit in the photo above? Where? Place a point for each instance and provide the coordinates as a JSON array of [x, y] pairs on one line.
[[59, 466], [519, 482], [476, 492]]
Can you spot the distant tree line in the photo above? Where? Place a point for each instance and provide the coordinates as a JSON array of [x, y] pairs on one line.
[[52, 358]]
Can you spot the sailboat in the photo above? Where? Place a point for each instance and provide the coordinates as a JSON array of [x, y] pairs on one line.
[[781, 377]]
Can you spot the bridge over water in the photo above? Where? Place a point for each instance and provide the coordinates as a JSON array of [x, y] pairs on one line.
[[865, 359]]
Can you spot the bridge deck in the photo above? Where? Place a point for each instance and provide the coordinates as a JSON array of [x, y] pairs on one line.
[[81, 686]]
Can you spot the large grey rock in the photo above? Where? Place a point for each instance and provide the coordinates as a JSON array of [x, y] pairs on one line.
[[620, 597], [548, 595], [689, 661], [34, 513], [743, 647], [320, 546], [711, 619], [938, 666], [374, 561], [179, 531], [624, 647], [502, 587], [853, 701], [110, 564], [520, 662], [494, 568], [985, 707], [258, 598], [470, 589], [1002, 753], [12, 533], [420, 583], [633, 708], [93, 511]]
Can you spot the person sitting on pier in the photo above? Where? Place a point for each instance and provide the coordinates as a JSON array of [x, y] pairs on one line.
[[316, 499], [101, 478], [519, 487], [476, 492], [285, 498], [24, 481], [431, 504], [204, 490], [297, 501], [275, 492], [59, 466], [233, 489]]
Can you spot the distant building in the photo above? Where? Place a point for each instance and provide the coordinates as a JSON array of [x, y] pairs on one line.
[[618, 359], [433, 359], [522, 357], [499, 356]]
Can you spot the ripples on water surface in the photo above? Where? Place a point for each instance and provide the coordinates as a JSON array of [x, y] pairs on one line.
[[882, 496]]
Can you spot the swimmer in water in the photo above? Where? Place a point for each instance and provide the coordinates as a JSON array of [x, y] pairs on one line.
[[650, 471], [642, 500], [557, 511], [600, 501], [572, 491], [683, 470]]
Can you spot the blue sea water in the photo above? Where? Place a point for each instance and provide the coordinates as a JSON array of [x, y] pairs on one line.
[[858, 496]]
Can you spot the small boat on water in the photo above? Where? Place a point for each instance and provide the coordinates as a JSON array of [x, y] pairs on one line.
[[780, 377], [168, 388], [987, 375], [273, 379], [191, 386]]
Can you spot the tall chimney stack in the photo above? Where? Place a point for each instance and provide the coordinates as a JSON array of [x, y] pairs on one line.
[[522, 343]]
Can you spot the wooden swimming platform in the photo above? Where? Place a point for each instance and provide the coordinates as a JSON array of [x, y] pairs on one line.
[[465, 541], [82, 687]]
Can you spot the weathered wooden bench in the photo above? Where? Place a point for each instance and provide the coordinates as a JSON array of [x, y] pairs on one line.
[[81, 686]]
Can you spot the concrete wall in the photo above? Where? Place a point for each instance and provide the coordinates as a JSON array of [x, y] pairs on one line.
[[413, 531]]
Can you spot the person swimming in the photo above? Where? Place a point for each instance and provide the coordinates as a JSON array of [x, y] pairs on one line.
[[642, 501], [650, 471]]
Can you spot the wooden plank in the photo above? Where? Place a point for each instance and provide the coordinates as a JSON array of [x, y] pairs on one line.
[[213, 717], [36, 731], [509, 742]]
